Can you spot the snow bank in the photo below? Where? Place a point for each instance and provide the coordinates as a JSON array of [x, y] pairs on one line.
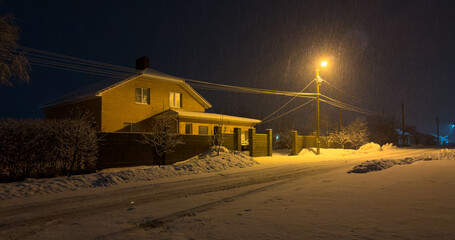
[[388, 147], [203, 163], [445, 154], [370, 147], [378, 165]]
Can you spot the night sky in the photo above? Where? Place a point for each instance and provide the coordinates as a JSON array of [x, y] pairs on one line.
[[381, 52]]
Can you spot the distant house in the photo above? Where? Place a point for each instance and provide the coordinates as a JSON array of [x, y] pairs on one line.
[[127, 105]]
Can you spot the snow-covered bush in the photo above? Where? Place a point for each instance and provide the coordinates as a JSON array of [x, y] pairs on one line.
[[388, 146], [358, 132], [370, 147], [37, 148], [446, 154], [341, 137]]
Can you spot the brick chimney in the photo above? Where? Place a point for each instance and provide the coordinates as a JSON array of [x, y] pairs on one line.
[[142, 63]]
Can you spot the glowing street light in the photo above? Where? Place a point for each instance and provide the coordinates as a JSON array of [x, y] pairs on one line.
[[318, 82]]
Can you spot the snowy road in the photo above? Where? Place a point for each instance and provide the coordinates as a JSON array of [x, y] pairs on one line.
[[171, 208]]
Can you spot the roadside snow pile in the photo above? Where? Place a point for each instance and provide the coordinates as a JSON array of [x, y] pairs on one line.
[[203, 163], [378, 165], [370, 147], [446, 154], [388, 146], [212, 162]]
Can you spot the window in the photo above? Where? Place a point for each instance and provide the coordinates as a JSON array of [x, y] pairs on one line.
[[175, 99], [189, 128], [203, 130], [143, 95]]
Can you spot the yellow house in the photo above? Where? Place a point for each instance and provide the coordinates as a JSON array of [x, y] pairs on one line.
[[124, 105]]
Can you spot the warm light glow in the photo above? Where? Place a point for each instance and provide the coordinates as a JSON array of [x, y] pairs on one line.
[[324, 63]]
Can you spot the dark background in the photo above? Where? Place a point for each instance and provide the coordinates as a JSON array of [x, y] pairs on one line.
[[382, 52]]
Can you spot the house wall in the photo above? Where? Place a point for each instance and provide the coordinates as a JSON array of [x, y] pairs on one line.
[[93, 106], [119, 104], [228, 126]]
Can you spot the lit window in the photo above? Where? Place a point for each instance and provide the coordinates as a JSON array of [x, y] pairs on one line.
[[175, 99], [203, 130], [143, 95]]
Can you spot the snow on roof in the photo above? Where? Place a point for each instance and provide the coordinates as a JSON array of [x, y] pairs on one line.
[[98, 88], [214, 116]]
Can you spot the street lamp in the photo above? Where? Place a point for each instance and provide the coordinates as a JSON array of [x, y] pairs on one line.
[[318, 82]]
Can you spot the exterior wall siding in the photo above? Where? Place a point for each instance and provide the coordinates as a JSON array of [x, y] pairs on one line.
[[119, 104]]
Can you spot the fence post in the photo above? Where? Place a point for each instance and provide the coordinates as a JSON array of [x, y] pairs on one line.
[[237, 139], [251, 133], [269, 142], [294, 142]]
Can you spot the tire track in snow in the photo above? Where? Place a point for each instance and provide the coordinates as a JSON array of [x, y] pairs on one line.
[[33, 218]]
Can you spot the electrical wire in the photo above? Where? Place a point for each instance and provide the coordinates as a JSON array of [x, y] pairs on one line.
[[64, 62], [101, 64], [339, 89], [288, 112], [288, 101], [78, 67]]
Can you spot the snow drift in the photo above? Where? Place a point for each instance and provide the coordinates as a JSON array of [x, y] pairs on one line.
[[203, 163], [378, 165]]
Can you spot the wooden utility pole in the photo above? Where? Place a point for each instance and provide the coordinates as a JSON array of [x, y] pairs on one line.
[[402, 124], [437, 130], [318, 81], [341, 117]]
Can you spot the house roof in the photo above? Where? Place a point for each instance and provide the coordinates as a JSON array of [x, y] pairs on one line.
[[97, 89], [212, 116]]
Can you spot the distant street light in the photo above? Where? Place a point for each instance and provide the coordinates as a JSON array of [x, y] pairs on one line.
[[318, 82]]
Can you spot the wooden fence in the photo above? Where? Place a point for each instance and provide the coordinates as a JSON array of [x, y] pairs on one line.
[[126, 149]]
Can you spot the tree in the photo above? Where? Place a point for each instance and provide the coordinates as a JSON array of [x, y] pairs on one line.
[[341, 137], [329, 138], [217, 139], [163, 137], [358, 132], [77, 143], [14, 65]]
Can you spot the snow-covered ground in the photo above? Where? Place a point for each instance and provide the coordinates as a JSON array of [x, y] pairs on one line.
[[279, 197], [207, 162]]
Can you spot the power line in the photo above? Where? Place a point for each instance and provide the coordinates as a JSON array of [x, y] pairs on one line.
[[288, 112], [288, 101], [64, 62], [82, 60], [77, 67], [339, 89]]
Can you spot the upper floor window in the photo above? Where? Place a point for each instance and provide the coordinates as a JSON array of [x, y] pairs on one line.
[[143, 95], [175, 99]]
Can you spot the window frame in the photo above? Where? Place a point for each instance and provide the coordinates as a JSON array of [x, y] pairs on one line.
[[172, 102], [141, 95]]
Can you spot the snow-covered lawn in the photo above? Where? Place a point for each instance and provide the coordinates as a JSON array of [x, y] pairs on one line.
[[233, 196]]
